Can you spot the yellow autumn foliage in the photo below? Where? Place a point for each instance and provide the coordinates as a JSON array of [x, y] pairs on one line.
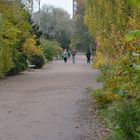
[[30, 48], [104, 98], [99, 60]]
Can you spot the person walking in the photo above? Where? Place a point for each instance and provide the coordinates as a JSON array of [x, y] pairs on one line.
[[65, 55], [88, 55], [73, 53]]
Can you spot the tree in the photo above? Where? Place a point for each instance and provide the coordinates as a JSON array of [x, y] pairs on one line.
[[15, 29], [115, 25], [81, 35], [55, 23], [107, 21]]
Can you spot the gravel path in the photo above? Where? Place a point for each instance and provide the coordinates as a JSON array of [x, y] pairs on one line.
[[49, 104]]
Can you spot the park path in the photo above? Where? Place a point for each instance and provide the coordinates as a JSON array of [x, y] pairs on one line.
[[49, 104]]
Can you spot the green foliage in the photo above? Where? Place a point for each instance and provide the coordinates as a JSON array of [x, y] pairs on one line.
[[120, 79], [14, 29], [125, 120], [104, 98], [81, 39], [30, 48], [116, 26], [37, 33], [133, 35], [135, 2], [16, 41], [20, 63], [120, 98], [109, 26], [116, 29], [38, 61], [6, 62], [51, 49], [34, 53], [74, 43]]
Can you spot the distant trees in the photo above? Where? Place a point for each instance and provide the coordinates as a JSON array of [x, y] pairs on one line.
[[81, 39], [55, 24]]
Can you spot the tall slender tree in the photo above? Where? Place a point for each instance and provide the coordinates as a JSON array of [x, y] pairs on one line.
[[81, 40]]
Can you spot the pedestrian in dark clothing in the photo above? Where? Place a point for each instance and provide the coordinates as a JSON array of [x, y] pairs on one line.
[[88, 55]]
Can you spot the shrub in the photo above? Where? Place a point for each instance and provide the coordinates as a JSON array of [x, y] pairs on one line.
[[6, 62], [38, 61], [34, 53], [20, 63], [121, 79], [126, 120], [49, 52], [30, 48], [51, 49], [119, 96], [100, 60], [104, 98]]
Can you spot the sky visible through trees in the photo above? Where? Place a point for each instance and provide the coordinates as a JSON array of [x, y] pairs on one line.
[[65, 4]]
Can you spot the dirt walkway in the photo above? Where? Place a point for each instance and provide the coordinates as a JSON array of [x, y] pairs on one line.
[[49, 104]]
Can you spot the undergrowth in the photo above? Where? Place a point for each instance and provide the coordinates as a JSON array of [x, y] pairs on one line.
[[119, 99]]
